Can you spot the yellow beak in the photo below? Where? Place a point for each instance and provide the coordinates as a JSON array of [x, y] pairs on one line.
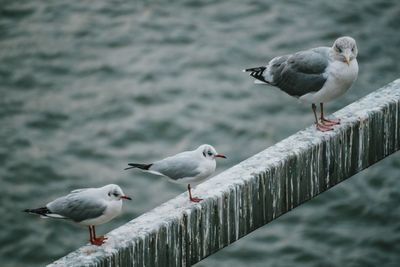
[[347, 60]]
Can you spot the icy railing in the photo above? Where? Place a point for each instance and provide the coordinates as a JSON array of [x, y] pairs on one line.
[[254, 192]]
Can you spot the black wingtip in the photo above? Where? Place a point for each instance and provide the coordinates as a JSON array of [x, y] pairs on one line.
[[132, 166], [257, 73], [139, 166], [256, 69], [40, 211], [128, 168]]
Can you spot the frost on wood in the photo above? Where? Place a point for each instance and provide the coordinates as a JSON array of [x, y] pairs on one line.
[[254, 192]]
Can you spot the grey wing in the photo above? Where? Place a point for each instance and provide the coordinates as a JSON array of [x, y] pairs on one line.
[[77, 207], [79, 190], [177, 167], [301, 73]]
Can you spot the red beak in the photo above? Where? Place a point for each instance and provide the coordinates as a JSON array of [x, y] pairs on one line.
[[126, 197], [220, 156]]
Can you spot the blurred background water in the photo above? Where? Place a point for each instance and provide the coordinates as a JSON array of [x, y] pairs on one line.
[[87, 86]]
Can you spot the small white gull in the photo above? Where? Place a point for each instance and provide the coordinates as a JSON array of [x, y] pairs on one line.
[[87, 206], [185, 168]]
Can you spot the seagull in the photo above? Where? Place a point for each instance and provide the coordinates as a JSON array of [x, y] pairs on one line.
[[87, 206], [185, 168], [316, 75]]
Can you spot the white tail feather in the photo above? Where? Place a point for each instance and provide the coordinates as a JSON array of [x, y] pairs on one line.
[[54, 216], [259, 82]]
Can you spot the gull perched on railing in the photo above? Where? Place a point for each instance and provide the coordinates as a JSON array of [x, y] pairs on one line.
[[186, 167], [87, 206], [316, 75]]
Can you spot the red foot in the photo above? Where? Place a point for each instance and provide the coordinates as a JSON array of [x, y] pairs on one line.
[[195, 199], [98, 241], [323, 128], [328, 122]]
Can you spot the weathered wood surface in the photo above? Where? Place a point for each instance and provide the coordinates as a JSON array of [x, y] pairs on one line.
[[254, 192]]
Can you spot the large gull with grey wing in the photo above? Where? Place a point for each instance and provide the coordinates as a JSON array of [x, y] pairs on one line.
[[317, 75], [87, 206], [185, 168]]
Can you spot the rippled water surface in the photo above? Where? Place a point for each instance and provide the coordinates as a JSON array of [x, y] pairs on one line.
[[87, 86]]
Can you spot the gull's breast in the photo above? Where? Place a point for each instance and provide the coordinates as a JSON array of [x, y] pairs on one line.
[[113, 209], [343, 74], [340, 78]]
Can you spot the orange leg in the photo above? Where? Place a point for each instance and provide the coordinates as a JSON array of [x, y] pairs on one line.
[[98, 241], [320, 126], [193, 199], [326, 121]]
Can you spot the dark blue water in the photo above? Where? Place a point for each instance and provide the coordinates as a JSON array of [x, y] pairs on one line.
[[87, 86]]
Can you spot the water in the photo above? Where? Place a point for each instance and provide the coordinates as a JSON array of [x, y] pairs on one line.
[[87, 86]]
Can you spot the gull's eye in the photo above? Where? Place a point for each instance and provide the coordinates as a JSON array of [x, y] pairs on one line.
[[209, 153], [338, 49], [115, 194]]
